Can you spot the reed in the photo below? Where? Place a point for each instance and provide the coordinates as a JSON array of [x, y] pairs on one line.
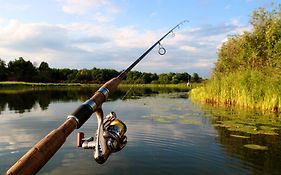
[[249, 88]]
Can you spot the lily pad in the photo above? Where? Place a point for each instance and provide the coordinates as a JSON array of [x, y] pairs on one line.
[[189, 121], [249, 128], [240, 136], [174, 118], [160, 119], [256, 147]]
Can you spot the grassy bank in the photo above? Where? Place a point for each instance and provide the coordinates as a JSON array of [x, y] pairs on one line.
[[179, 86], [28, 84], [250, 89], [16, 84]]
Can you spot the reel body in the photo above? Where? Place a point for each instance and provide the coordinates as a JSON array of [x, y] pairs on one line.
[[110, 137]]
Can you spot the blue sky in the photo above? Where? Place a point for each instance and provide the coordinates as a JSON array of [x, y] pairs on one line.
[[113, 33]]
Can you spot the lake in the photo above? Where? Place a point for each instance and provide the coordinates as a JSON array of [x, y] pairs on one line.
[[167, 133]]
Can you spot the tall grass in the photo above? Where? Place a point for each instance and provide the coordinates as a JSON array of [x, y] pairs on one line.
[[248, 88]]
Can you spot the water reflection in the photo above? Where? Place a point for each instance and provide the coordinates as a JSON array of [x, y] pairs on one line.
[[23, 100], [167, 134], [251, 136]]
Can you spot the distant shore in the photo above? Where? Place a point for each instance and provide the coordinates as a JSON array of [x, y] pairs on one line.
[[16, 84]]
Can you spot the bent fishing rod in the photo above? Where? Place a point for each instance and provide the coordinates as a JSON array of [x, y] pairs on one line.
[[110, 135]]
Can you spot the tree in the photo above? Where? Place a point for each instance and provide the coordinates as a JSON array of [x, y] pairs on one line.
[[3, 70], [134, 77], [21, 70], [83, 75], [259, 49], [164, 79], [44, 66], [149, 77], [195, 77], [44, 72]]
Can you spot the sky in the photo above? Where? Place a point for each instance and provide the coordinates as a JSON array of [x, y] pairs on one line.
[[113, 33]]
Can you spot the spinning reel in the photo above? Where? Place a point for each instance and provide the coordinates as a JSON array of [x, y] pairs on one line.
[[110, 137]]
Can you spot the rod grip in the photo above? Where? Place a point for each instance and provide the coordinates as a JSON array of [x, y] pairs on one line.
[[81, 114]]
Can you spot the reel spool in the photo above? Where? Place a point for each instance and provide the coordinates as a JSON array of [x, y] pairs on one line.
[[110, 137]]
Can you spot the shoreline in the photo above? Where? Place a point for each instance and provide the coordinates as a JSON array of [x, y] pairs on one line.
[[16, 84]]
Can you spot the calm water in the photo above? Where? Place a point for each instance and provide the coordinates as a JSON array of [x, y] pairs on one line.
[[167, 134]]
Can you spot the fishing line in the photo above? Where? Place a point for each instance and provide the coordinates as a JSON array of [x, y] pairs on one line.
[[128, 92]]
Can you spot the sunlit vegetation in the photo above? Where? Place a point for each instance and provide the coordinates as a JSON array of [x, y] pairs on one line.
[[248, 70], [239, 136], [256, 147]]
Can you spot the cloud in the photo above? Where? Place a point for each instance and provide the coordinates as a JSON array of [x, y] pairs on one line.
[[33, 36], [99, 10], [2, 20], [80, 45], [80, 7], [188, 48]]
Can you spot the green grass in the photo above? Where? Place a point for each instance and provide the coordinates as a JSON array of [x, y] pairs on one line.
[[248, 89], [180, 86], [19, 83], [11, 85]]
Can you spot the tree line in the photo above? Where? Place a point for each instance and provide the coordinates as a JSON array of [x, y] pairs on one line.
[[22, 70]]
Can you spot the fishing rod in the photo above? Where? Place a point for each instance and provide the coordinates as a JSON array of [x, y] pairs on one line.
[[110, 135]]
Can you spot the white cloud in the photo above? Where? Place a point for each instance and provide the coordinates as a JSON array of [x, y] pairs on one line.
[[87, 45], [80, 6], [2, 20], [99, 10], [188, 48]]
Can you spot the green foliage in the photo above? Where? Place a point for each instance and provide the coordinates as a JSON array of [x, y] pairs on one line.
[[103, 75], [247, 72], [249, 88], [256, 50], [21, 70], [3, 70]]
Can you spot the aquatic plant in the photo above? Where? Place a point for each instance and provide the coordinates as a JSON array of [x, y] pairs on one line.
[[251, 89], [256, 147]]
